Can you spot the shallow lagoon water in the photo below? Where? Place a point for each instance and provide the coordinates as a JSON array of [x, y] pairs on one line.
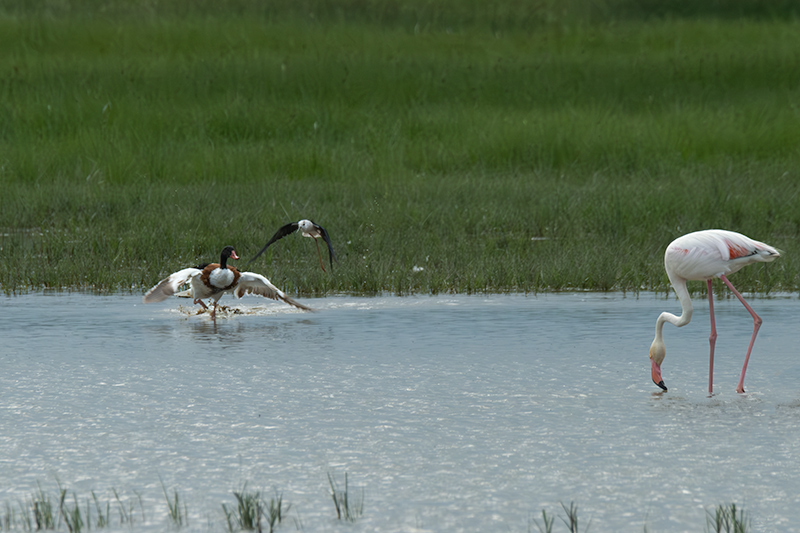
[[451, 413]]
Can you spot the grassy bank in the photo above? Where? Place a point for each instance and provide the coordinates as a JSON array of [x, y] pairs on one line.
[[518, 148]]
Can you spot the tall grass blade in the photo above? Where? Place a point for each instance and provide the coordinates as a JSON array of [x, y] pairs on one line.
[[546, 526], [276, 511], [178, 516], [102, 515], [72, 514], [347, 507], [571, 519], [727, 519], [249, 511], [124, 514], [43, 514]]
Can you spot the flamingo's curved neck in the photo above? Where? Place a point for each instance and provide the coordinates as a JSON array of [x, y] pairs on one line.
[[686, 308]]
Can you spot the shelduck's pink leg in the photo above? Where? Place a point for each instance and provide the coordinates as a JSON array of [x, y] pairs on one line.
[[756, 325], [214, 311], [712, 339]]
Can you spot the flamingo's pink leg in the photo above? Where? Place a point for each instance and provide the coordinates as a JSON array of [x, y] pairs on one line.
[[756, 325], [712, 339]]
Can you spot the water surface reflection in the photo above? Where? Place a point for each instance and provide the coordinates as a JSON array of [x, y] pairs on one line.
[[456, 413]]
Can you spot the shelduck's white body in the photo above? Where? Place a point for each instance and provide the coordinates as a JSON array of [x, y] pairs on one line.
[[214, 280]]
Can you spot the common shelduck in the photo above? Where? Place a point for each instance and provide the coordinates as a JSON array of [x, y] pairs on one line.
[[215, 279]]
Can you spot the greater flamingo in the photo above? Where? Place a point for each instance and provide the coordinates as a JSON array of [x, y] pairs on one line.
[[215, 279], [705, 255], [308, 229]]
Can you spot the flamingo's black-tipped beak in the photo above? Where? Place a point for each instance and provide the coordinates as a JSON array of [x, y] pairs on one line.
[[655, 370]]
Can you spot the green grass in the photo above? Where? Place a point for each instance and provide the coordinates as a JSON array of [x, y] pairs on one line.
[[727, 519], [44, 515], [251, 507], [515, 146], [179, 516], [39, 513], [248, 513], [570, 518], [349, 506]]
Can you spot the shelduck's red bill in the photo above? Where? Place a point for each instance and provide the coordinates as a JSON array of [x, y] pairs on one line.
[[233, 255], [656, 374]]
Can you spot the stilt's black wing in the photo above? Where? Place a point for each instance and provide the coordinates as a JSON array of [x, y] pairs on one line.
[[331, 253], [280, 234]]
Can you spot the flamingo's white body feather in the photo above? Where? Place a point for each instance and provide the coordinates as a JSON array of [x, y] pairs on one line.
[[705, 255], [708, 254]]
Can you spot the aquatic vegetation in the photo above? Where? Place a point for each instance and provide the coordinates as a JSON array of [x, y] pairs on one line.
[[45, 511], [547, 526], [571, 519], [73, 518], [251, 508], [9, 518], [42, 510], [348, 506], [276, 511], [126, 511], [102, 514], [727, 519], [178, 516]]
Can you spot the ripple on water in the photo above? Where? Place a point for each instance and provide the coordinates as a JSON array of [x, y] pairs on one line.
[[457, 413]]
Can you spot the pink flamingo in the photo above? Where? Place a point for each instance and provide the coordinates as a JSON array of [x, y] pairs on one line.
[[705, 255]]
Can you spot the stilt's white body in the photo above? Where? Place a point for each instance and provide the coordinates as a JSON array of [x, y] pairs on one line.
[[307, 228]]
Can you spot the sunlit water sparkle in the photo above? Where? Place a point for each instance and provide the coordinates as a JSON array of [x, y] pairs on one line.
[[452, 413]]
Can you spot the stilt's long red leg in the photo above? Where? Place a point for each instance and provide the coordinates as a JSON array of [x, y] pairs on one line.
[[320, 255], [712, 339], [756, 325]]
